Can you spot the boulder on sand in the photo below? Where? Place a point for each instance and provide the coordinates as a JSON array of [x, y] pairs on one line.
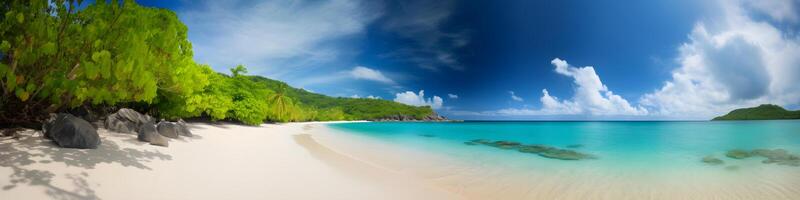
[[69, 131], [127, 121], [148, 133], [168, 129], [183, 129]]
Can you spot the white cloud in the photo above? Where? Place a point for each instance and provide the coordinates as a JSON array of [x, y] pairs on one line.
[[591, 97], [272, 36], [355, 96], [514, 96], [421, 22], [411, 98], [452, 96], [734, 62], [361, 72], [781, 10]]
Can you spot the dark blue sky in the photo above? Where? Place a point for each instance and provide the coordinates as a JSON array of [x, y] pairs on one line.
[[482, 50]]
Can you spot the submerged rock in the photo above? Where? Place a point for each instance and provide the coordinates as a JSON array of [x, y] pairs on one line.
[[504, 144], [534, 148], [563, 154], [711, 160], [732, 167], [778, 156], [541, 150], [427, 135], [738, 154], [481, 141], [69, 131], [575, 146]]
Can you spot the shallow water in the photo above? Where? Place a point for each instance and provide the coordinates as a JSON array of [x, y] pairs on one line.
[[634, 159]]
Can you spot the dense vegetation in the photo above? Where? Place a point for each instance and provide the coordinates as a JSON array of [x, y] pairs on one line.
[[762, 112], [54, 56]]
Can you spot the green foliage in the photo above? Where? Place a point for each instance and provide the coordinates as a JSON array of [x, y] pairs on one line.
[[350, 108], [762, 112], [106, 53], [55, 56]]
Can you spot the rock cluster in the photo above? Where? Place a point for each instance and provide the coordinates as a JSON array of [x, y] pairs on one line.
[[777, 156], [69, 131], [432, 117], [129, 121], [541, 150], [738, 154], [148, 133], [773, 156]]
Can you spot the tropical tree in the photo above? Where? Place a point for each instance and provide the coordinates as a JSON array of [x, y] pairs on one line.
[[282, 107]]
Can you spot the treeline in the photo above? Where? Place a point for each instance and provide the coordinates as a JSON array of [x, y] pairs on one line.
[[55, 56]]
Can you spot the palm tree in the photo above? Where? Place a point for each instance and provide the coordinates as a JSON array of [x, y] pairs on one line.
[[282, 105]]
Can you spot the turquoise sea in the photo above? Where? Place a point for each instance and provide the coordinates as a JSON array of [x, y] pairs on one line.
[[663, 151]]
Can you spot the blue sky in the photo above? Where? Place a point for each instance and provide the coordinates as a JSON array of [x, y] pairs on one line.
[[677, 59]]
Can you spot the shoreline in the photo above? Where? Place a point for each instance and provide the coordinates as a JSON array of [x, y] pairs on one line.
[[221, 161], [310, 160]]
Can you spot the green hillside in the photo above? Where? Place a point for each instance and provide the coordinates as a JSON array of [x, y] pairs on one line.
[[56, 56], [762, 112], [352, 108]]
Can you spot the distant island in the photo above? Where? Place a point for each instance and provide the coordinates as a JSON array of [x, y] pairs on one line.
[[762, 112]]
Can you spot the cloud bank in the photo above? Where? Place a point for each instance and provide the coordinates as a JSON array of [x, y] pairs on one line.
[[361, 72], [515, 97], [414, 99], [733, 61], [422, 22], [591, 97], [273, 37], [742, 58]]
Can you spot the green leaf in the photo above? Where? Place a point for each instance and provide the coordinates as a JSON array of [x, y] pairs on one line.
[[20, 18], [90, 70], [22, 94], [30, 87], [11, 81], [49, 48], [3, 68], [5, 46]]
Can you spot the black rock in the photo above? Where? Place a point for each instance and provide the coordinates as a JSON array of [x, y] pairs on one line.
[[148, 133], [127, 121], [69, 131], [168, 129], [183, 129]]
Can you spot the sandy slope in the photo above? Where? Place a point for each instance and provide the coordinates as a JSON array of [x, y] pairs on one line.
[[222, 161]]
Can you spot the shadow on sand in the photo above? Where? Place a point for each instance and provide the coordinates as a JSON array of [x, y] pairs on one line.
[[19, 154]]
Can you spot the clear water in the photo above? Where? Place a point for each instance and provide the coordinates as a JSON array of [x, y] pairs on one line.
[[635, 160]]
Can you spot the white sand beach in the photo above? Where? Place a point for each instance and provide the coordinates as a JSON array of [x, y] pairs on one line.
[[312, 161], [221, 161]]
